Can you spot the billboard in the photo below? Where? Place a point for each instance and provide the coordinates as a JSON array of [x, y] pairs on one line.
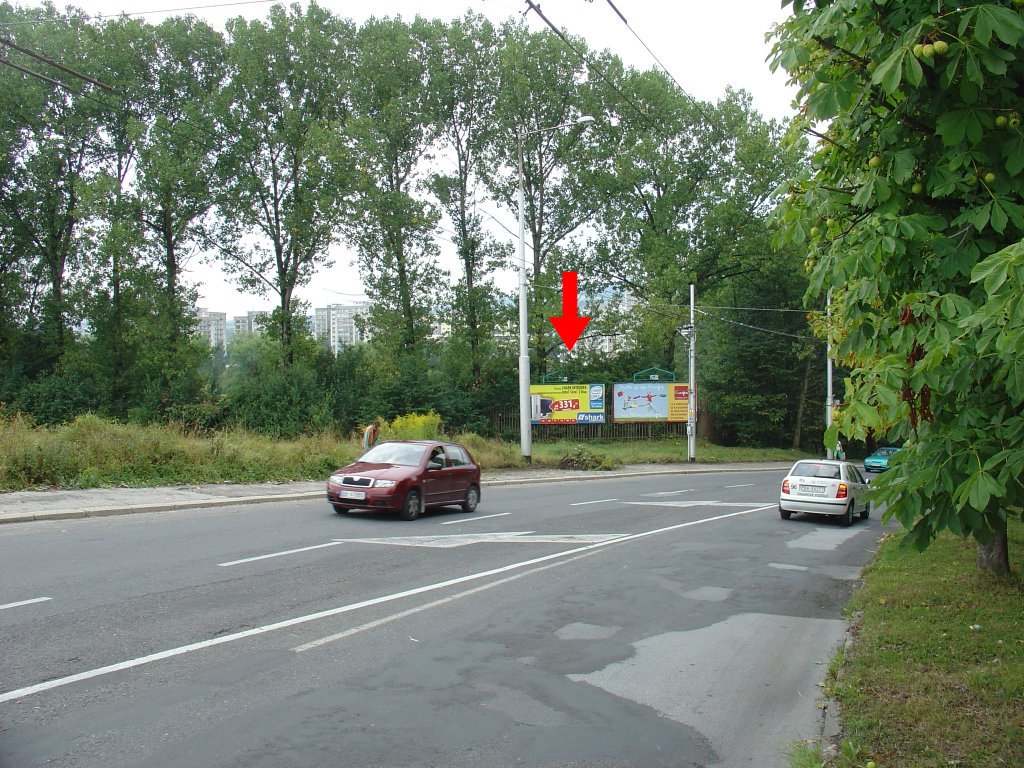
[[650, 401], [567, 403]]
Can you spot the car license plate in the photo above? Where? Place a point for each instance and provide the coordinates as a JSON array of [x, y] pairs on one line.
[[353, 495], [812, 490]]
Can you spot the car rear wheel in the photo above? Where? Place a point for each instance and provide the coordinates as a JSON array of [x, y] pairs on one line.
[[472, 499], [340, 509], [784, 514], [847, 518], [412, 507], [866, 511]]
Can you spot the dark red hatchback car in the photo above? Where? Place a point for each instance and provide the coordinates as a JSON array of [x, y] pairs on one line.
[[407, 477]]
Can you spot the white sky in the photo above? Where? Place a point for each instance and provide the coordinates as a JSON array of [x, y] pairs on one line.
[[706, 46]]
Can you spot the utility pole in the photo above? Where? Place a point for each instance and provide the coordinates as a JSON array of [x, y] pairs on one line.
[[828, 371], [691, 411]]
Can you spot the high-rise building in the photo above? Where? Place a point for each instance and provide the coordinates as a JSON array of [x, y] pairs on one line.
[[251, 322], [213, 326], [336, 324]]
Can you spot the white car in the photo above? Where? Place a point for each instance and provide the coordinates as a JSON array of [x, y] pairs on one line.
[[824, 487]]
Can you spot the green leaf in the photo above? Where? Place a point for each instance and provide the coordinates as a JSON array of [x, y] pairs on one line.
[[912, 70], [998, 218], [1015, 155], [890, 71], [1005, 23], [952, 126]]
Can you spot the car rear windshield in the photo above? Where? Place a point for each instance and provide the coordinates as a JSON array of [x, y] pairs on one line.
[[812, 469], [394, 453]]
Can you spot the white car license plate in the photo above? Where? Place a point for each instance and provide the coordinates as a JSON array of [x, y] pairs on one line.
[[812, 490], [353, 495]]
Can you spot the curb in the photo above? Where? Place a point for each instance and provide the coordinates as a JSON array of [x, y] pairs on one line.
[[73, 514]]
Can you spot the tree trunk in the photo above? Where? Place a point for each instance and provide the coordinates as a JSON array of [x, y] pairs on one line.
[[994, 557]]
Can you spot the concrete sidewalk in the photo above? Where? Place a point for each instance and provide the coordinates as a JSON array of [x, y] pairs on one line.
[[62, 504]]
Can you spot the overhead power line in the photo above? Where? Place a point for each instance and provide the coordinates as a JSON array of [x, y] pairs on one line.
[[55, 64], [754, 327], [97, 17]]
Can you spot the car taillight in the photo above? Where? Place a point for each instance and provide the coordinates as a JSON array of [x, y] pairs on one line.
[[785, 485], [842, 491]]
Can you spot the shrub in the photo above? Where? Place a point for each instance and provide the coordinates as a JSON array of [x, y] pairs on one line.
[[582, 457], [414, 426]]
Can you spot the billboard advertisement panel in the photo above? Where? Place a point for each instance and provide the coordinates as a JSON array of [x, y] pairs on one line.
[[650, 401], [567, 403]]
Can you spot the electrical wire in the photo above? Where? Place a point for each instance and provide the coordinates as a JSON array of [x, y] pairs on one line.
[[101, 16], [753, 327]]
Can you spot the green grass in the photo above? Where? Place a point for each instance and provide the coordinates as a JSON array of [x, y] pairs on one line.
[[661, 452], [92, 452], [935, 676]]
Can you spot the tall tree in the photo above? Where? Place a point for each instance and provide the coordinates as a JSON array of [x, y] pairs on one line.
[[539, 100], [393, 125], [462, 68], [914, 213], [177, 150], [686, 189], [124, 56], [284, 181], [51, 143]]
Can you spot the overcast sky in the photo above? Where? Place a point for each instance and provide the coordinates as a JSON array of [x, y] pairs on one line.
[[706, 46]]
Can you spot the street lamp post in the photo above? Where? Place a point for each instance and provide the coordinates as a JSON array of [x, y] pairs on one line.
[[525, 420]]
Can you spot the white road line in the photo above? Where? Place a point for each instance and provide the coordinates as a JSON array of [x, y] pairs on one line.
[[222, 639], [787, 567], [25, 602], [426, 607], [595, 501], [280, 554], [667, 493], [474, 519], [741, 485]]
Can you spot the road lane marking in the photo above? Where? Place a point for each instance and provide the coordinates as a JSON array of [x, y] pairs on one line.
[[435, 604], [741, 485], [684, 504], [595, 501], [668, 493], [474, 518], [493, 537], [787, 567], [280, 554], [25, 602], [297, 620]]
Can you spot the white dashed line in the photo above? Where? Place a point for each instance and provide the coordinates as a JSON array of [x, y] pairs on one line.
[[474, 519], [25, 602], [279, 554]]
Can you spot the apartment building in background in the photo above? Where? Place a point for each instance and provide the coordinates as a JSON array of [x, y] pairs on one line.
[[251, 322], [213, 326], [336, 326]]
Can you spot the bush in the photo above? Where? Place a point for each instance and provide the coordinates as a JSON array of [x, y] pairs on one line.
[[414, 426], [582, 457]]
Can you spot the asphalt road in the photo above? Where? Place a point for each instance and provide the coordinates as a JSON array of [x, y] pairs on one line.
[[655, 621]]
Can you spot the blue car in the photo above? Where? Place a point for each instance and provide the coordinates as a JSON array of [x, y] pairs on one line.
[[879, 460]]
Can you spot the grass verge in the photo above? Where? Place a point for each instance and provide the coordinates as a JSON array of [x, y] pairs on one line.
[[935, 676], [91, 452]]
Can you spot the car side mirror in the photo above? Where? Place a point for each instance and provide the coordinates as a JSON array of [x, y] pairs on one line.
[[435, 464]]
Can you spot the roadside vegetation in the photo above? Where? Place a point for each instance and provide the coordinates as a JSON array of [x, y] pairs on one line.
[[93, 452], [935, 675]]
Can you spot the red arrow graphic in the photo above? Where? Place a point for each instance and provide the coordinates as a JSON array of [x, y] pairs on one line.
[[570, 325]]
